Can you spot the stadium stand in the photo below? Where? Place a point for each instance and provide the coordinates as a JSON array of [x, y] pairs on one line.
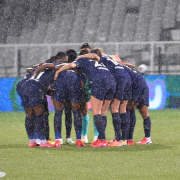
[[79, 21], [67, 19], [156, 19], [143, 21], [170, 14], [104, 21], [54, 25], [92, 21], [178, 12], [117, 22]]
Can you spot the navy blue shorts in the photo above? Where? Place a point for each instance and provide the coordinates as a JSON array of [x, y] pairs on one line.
[[123, 88], [137, 89], [104, 89], [68, 89], [144, 98], [32, 93]]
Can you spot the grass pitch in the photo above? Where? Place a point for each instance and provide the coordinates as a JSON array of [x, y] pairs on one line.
[[160, 160]]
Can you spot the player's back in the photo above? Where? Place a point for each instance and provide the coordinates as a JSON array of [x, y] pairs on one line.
[[135, 77], [21, 82], [114, 67], [44, 78], [92, 69]]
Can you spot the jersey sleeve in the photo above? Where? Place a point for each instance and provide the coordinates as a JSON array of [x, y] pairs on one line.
[[102, 59], [78, 63]]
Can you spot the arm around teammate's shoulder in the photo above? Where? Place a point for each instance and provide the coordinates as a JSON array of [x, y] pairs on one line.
[[44, 66], [92, 56], [64, 68]]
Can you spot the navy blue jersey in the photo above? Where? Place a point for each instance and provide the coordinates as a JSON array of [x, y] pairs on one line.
[[138, 84], [92, 69], [103, 82], [123, 88], [112, 65], [44, 78], [135, 77], [68, 87], [20, 83]]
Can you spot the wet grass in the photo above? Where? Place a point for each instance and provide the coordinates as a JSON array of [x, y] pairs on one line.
[[160, 160]]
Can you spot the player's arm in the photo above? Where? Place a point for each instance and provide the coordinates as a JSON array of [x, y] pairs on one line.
[[64, 68], [44, 66], [90, 56], [30, 70], [37, 65], [126, 63]]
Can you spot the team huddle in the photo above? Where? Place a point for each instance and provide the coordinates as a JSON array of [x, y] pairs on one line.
[[72, 81]]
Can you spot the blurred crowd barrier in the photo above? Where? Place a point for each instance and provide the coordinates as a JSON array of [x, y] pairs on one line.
[[160, 57]]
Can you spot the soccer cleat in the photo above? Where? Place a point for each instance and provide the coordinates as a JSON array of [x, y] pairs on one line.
[[51, 141], [116, 143], [79, 143], [38, 142], [32, 144], [124, 142], [145, 141], [57, 144], [85, 140], [130, 142], [46, 145], [99, 143], [69, 141], [61, 141], [110, 142]]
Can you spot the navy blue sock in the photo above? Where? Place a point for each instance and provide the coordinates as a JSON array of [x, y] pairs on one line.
[[29, 124], [100, 126], [128, 122], [77, 123], [147, 127], [132, 123], [104, 118], [40, 126], [117, 125], [124, 125], [57, 124], [68, 123]]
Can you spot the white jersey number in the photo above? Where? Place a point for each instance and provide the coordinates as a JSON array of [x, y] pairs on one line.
[[38, 76]]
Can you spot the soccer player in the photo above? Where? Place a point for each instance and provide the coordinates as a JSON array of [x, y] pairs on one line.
[[103, 89], [29, 124], [66, 57], [140, 99], [68, 86], [123, 91], [33, 93], [85, 103]]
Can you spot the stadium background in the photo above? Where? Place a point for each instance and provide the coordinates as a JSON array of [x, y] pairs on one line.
[[139, 31]]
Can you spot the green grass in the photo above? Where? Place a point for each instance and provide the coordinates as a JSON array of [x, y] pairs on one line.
[[160, 160]]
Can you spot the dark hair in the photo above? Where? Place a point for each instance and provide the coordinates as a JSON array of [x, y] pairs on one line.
[[84, 51], [85, 45], [51, 59], [61, 55], [97, 51], [72, 55]]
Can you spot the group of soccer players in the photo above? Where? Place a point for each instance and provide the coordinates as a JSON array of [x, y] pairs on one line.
[[73, 81]]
